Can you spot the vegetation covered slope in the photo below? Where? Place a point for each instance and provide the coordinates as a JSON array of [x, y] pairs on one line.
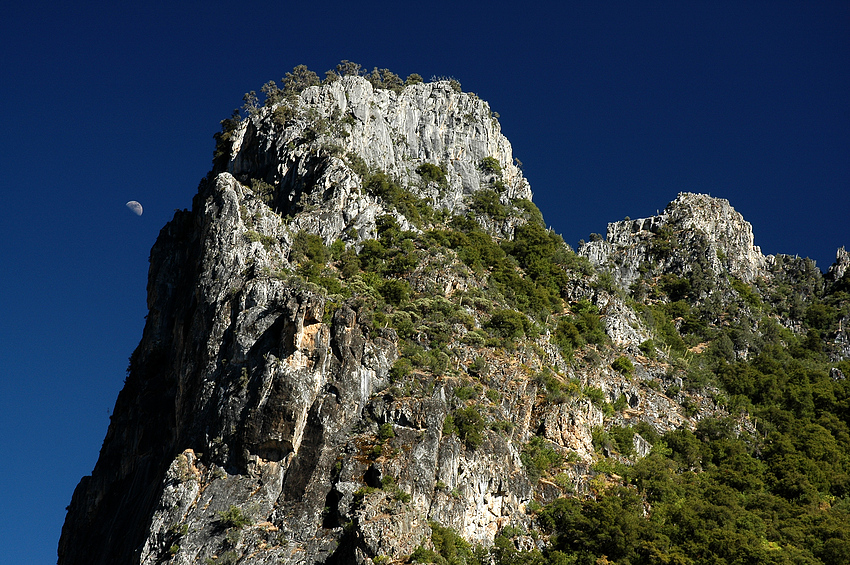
[[759, 477]]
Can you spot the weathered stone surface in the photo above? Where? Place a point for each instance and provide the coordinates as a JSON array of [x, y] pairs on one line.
[[842, 262], [708, 232], [570, 425], [394, 133], [244, 394]]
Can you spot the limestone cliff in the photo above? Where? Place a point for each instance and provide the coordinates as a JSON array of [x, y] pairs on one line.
[[246, 387], [694, 230], [332, 401], [305, 148]]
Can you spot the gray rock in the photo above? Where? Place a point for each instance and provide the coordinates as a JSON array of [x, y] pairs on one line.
[[708, 232], [390, 132]]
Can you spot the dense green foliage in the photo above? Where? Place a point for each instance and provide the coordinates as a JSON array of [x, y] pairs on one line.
[[542, 256], [414, 209], [537, 457], [233, 518], [468, 424], [450, 549], [432, 173]]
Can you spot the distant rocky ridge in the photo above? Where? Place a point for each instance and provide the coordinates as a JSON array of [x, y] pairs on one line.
[[280, 409], [717, 237]]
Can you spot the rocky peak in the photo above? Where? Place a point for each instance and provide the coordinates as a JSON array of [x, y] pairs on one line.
[[319, 383], [312, 153], [842, 262], [694, 229]]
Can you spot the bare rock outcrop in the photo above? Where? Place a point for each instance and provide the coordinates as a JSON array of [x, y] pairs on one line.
[[694, 230], [307, 148]]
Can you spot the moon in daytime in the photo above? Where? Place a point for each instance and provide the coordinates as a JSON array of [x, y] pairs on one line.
[[135, 207]]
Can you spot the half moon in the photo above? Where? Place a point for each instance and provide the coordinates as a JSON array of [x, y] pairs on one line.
[[135, 207]]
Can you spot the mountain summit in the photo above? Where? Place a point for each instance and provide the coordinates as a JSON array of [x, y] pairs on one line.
[[364, 346]]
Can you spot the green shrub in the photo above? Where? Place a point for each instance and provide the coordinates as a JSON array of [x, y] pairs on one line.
[[599, 438], [556, 391], [623, 365], [747, 293], [263, 190], [356, 163], [509, 324], [349, 263], [400, 369], [486, 201], [623, 437], [389, 485], [233, 517], [432, 173], [224, 139], [299, 79], [588, 321], [360, 495], [464, 393], [452, 548], [539, 458], [469, 425], [414, 209], [449, 427], [310, 247], [266, 240], [677, 288], [490, 166], [664, 242], [394, 291], [385, 79], [478, 367], [336, 249], [504, 426], [648, 349], [386, 432], [596, 395], [567, 336], [620, 404], [283, 114]]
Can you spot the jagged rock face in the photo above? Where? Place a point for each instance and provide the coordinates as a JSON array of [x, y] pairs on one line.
[[392, 132], [707, 231], [245, 391], [842, 262]]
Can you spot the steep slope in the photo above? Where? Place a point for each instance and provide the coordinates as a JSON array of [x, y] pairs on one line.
[[363, 344], [247, 384]]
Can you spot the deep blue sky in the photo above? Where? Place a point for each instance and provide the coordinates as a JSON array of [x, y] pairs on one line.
[[613, 110]]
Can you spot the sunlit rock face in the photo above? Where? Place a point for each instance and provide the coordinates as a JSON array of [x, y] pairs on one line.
[[252, 390], [694, 229], [307, 155]]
